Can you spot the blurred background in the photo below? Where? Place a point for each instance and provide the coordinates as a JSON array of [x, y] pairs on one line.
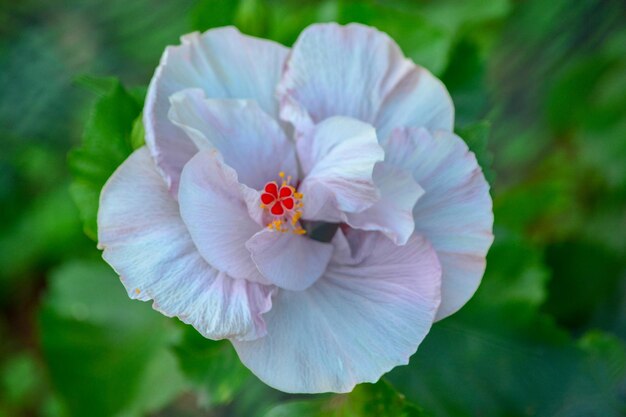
[[540, 93]]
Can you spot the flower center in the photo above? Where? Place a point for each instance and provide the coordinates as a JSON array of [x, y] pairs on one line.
[[283, 203]]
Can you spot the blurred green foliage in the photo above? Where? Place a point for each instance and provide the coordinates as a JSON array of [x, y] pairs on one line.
[[105, 356], [540, 95], [379, 399], [106, 143]]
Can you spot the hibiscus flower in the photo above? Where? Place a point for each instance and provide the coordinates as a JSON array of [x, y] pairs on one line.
[[312, 205]]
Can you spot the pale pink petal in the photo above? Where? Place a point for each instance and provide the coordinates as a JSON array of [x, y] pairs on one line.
[[147, 243], [222, 62], [290, 261], [360, 72], [213, 206], [250, 141], [354, 324], [455, 213], [393, 213], [338, 159]]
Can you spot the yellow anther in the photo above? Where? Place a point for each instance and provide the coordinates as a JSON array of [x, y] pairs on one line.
[[299, 231], [281, 174]]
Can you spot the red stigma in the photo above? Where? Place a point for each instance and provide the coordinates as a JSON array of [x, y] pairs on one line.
[[278, 200], [284, 203]]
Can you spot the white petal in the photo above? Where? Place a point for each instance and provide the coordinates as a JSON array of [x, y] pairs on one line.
[[213, 206], [455, 213], [222, 62], [393, 213], [353, 325], [357, 71], [250, 141], [147, 243], [338, 159], [290, 261]]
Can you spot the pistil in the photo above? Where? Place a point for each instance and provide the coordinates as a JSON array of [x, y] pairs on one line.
[[284, 203]]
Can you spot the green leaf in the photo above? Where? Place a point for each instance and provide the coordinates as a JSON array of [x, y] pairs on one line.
[[107, 355], [219, 378], [207, 14], [212, 366], [476, 136], [106, 144], [421, 39], [573, 264], [609, 352], [47, 231], [454, 14], [288, 19], [465, 80], [506, 359], [138, 133], [161, 382], [251, 17], [426, 31], [554, 186], [367, 400], [516, 274], [98, 85], [20, 379]]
